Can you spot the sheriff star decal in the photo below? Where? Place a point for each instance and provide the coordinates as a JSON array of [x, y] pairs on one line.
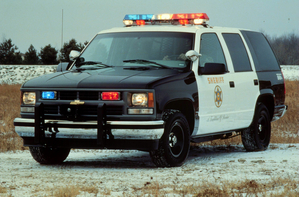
[[218, 96]]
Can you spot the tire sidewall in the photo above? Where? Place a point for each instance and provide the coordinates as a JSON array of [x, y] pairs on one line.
[[176, 118], [262, 112]]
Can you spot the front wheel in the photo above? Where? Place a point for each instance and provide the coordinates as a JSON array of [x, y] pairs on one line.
[[49, 155], [175, 143], [257, 136]]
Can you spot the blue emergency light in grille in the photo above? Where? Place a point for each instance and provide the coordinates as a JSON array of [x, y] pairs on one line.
[[50, 95]]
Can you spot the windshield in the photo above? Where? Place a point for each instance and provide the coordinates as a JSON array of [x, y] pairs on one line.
[[160, 49]]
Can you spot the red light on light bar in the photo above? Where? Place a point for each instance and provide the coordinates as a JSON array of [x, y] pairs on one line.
[[110, 96], [184, 21], [140, 22], [191, 16]]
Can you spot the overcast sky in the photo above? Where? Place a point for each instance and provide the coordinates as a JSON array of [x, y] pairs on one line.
[[39, 22]]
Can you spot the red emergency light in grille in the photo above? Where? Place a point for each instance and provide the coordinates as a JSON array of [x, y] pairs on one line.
[[110, 96]]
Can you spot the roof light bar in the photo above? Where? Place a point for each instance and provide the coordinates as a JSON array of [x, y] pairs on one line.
[[174, 19]]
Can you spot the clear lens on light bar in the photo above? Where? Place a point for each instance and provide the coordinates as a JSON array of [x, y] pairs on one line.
[[49, 95], [162, 17]]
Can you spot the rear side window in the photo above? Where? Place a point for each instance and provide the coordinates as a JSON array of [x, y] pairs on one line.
[[237, 52], [262, 54]]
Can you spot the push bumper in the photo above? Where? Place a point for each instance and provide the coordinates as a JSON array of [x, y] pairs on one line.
[[130, 130], [139, 135]]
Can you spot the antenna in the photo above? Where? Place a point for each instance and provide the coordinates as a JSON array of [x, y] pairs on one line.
[[61, 32], [62, 29]]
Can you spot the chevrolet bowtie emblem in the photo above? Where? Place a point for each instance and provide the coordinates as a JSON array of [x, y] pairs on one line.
[[77, 102]]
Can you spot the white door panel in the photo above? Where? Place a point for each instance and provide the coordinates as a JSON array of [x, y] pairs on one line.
[[246, 90], [216, 99]]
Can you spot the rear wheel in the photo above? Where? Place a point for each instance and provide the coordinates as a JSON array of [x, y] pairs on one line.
[[257, 136], [49, 155], [175, 143]]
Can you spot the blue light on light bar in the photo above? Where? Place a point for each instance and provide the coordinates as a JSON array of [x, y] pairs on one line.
[[49, 95], [138, 17]]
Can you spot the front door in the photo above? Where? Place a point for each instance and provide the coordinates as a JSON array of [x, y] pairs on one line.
[[216, 92]]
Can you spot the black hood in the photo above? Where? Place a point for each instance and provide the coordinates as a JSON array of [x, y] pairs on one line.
[[116, 77]]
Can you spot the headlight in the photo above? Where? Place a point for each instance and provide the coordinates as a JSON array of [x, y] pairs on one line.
[[139, 99], [141, 103], [29, 98]]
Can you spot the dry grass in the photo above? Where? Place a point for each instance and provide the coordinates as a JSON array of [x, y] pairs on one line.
[[9, 110], [3, 190], [284, 130], [66, 191], [73, 190], [90, 189], [276, 187]]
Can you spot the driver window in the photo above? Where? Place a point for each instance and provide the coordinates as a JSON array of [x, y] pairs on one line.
[[210, 50]]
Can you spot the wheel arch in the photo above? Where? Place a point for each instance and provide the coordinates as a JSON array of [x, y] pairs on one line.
[[186, 108], [268, 100]]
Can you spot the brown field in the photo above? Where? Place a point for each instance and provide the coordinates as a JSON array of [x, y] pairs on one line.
[[285, 130]]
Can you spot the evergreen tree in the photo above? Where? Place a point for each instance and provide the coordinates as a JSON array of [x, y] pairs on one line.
[[31, 56], [67, 47], [48, 55], [9, 54]]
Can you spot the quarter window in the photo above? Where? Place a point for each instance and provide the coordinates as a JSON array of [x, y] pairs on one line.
[[262, 54], [237, 52]]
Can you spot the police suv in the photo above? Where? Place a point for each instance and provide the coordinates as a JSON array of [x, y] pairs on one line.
[[155, 85]]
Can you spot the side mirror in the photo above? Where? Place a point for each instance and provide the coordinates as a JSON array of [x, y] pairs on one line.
[[74, 55], [62, 66], [192, 55], [213, 69]]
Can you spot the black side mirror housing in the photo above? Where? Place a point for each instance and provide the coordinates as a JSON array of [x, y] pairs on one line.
[[62, 66], [213, 69]]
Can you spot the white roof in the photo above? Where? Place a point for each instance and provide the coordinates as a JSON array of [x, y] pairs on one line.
[[170, 28]]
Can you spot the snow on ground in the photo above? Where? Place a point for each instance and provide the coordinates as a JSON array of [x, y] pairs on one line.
[[119, 171], [18, 74]]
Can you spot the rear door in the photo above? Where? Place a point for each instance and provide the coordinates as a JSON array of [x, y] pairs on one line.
[[246, 85]]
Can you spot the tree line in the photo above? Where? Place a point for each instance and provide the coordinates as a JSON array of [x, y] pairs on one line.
[[286, 49], [48, 55]]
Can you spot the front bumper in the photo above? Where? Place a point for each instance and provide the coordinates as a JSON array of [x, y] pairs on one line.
[[125, 130]]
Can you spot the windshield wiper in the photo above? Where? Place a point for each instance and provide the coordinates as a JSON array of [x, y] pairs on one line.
[[100, 64], [142, 61]]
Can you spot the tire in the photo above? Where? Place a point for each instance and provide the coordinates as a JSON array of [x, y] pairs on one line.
[[257, 136], [174, 145], [49, 155]]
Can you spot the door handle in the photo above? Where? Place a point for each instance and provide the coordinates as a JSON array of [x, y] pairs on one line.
[[231, 84]]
